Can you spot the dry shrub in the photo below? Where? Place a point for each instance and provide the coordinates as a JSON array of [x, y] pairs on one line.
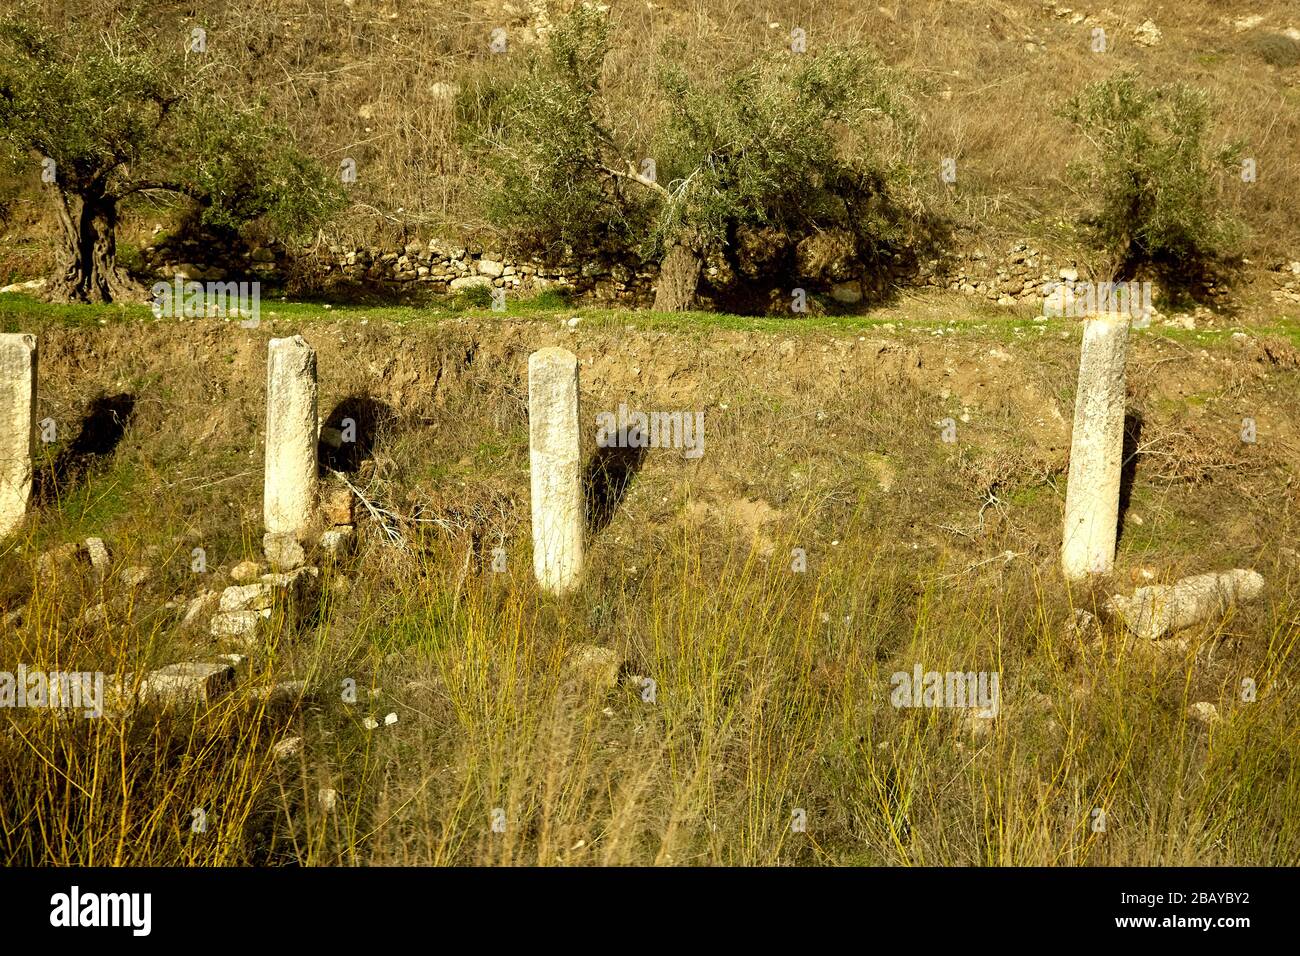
[[1189, 452]]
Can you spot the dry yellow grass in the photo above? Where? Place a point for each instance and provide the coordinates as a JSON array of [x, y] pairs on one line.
[[369, 81], [772, 688]]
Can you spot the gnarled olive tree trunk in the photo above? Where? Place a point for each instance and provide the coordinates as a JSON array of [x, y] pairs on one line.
[[679, 278], [89, 270]]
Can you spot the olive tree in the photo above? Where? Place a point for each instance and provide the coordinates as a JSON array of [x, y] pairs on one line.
[[793, 141], [1151, 183], [108, 117]]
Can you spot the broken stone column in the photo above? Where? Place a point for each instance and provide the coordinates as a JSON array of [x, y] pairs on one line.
[[556, 468], [1160, 609], [17, 427], [290, 483], [1096, 451]]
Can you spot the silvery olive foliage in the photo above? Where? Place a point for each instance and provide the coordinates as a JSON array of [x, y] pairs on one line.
[[110, 117], [1153, 184], [794, 141]]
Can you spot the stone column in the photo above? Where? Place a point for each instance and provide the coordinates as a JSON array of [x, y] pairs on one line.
[[556, 469], [17, 427], [290, 483], [1096, 450]]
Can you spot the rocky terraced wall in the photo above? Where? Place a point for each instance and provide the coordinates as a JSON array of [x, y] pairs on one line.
[[1019, 274]]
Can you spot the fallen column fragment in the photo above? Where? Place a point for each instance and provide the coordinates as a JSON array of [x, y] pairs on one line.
[[1154, 611]]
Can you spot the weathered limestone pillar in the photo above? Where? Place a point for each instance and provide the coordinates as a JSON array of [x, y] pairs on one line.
[[1097, 450], [17, 427], [290, 483], [556, 468]]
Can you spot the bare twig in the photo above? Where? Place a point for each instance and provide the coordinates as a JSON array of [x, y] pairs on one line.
[[380, 515]]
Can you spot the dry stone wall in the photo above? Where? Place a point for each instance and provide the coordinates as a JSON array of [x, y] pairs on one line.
[[1017, 274], [435, 265]]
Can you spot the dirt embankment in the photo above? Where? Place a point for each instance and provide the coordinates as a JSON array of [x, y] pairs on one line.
[[953, 441]]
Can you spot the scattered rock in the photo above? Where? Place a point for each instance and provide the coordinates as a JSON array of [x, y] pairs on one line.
[[245, 572], [339, 541], [134, 577], [296, 588], [283, 551], [56, 561], [97, 552], [336, 506], [247, 597], [594, 665], [199, 608], [243, 607], [465, 283], [31, 285], [1147, 34], [288, 747], [328, 798], [1083, 625], [190, 682], [243, 626], [1152, 612]]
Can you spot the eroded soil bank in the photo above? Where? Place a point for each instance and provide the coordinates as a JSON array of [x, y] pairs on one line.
[[818, 421], [919, 471]]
